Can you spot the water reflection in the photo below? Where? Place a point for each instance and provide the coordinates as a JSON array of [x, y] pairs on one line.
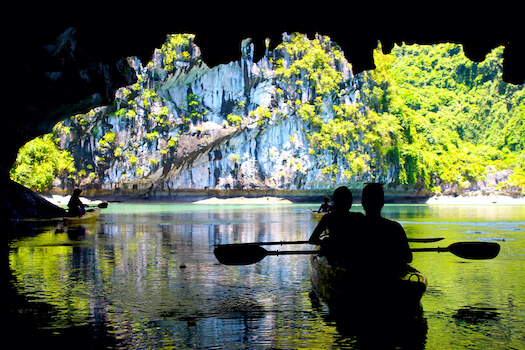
[[145, 276], [378, 326], [151, 280]]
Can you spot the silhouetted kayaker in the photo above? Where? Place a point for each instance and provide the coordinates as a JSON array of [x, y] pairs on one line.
[[325, 207], [385, 239], [335, 231], [75, 206]]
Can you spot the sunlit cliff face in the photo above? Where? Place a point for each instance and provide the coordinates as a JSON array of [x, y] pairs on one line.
[[298, 119]]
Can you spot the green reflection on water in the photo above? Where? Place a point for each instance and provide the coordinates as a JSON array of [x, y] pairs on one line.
[[146, 275]]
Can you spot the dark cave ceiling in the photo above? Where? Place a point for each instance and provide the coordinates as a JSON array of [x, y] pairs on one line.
[[110, 32]]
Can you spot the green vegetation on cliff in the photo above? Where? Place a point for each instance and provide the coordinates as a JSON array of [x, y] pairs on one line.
[[425, 118], [313, 59], [363, 138], [39, 162], [440, 117], [458, 118]]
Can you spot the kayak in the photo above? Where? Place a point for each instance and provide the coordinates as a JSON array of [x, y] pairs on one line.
[[89, 216], [318, 215], [343, 290], [378, 312]]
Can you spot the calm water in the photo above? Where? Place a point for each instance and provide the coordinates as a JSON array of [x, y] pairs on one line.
[[144, 277]]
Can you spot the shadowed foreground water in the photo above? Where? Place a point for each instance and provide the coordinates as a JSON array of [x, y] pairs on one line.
[[144, 277]]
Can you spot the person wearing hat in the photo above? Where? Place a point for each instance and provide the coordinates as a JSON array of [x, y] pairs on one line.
[[75, 206]]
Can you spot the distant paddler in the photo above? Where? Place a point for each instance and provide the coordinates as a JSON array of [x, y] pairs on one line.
[[75, 205], [325, 207]]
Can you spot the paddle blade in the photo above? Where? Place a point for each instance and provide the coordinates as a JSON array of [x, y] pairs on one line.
[[103, 205], [232, 254], [475, 250]]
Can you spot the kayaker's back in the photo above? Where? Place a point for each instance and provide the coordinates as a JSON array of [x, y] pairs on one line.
[[360, 244], [385, 239], [386, 245], [343, 243]]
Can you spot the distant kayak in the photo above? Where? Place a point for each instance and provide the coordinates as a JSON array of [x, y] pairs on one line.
[[318, 215], [89, 216]]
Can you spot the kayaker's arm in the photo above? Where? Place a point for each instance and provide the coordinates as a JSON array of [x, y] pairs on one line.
[[408, 254], [318, 231], [403, 245]]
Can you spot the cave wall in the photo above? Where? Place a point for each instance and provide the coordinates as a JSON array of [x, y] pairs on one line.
[[51, 83]]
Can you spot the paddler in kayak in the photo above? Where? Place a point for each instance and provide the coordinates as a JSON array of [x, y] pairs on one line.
[[75, 206], [335, 231], [386, 239], [363, 243], [325, 207]]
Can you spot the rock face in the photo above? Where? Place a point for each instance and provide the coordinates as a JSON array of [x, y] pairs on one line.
[[490, 185], [242, 125], [21, 202], [45, 83]]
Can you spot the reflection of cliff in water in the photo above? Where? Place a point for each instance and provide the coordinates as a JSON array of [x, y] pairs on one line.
[[143, 280]]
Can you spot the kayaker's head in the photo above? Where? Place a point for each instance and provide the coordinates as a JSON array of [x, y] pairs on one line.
[[342, 199], [373, 199], [77, 192]]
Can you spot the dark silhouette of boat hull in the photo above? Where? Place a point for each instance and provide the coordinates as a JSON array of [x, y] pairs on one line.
[[380, 313]]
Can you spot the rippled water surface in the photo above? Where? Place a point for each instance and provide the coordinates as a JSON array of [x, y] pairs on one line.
[[145, 277]]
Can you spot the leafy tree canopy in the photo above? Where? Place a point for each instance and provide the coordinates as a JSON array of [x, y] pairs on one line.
[[39, 162], [457, 116]]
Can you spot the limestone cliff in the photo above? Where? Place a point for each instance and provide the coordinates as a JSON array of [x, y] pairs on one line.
[[45, 81], [242, 125]]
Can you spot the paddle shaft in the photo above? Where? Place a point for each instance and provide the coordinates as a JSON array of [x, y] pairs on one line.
[[269, 243], [425, 240], [238, 254], [291, 252], [415, 240], [438, 249], [306, 252]]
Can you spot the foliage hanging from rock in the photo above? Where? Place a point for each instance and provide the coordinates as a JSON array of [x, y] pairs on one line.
[[426, 118]]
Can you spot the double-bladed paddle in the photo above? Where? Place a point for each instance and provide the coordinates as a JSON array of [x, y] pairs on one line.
[[102, 205], [247, 254]]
